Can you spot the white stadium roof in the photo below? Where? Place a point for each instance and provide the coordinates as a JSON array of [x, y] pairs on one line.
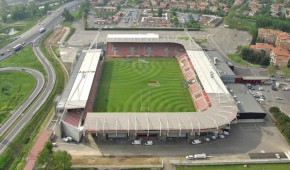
[[132, 36], [79, 93], [206, 72]]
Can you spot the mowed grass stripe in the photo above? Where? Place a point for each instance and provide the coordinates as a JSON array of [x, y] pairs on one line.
[[124, 86]]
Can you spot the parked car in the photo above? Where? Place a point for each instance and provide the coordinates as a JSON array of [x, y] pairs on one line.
[[221, 136], [67, 139], [149, 142], [196, 141], [226, 133], [287, 80], [213, 137], [207, 139], [54, 144], [279, 98], [136, 142]]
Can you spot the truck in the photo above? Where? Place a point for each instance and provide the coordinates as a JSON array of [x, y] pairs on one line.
[[17, 47], [42, 30], [200, 156]]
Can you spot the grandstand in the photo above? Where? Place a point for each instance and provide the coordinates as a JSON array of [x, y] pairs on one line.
[[216, 108], [77, 97]]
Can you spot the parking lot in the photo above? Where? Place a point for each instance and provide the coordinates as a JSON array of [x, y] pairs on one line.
[[243, 139], [129, 18]]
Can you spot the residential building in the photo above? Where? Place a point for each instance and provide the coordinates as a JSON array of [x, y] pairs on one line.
[[156, 21], [283, 40], [262, 46], [279, 56], [268, 35]]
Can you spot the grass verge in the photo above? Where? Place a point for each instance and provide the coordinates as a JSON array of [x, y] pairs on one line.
[[236, 58], [15, 87], [71, 32], [285, 166], [14, 156], [24, 58]]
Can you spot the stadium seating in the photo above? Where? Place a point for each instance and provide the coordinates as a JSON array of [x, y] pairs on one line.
[[73, 117], [94, 88], [143, 49], [198, 96]]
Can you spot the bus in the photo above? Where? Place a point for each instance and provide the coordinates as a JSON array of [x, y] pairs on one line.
[[17, 47]]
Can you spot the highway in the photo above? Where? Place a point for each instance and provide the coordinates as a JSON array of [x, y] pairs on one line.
[[34, 37], [32, 34]]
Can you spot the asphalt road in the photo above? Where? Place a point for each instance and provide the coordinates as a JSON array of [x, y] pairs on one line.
[[32, 34], [49, 22]]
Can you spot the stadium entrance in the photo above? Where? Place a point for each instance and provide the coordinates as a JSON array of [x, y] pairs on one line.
[[145, 134]]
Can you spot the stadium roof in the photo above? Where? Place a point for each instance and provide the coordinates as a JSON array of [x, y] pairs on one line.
[[77, 92], [132, 36], [222, 112], [246, 102], [206, 72]]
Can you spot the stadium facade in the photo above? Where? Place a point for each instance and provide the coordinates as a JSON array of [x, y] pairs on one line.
[[216, 108]]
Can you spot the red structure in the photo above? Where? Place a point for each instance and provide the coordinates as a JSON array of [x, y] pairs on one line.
[[198, 96], [143, 49], [94, 88], [73, 117]]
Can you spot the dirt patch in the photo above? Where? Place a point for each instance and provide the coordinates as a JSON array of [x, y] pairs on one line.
[[67, 66], [55, 36], [104, 161]]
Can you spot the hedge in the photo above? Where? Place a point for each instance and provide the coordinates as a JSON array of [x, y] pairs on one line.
[[283, 121]]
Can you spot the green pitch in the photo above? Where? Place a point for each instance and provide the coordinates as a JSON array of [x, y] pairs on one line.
[[137, 85]]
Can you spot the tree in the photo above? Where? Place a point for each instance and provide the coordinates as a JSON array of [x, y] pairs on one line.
[[3, 10], [160, 11], [47, 159], [274, 109], [286, 71], [118, 7], [44, 159], [67, 15], [271, 69], [32, 8], [175, 21], [18, 12], [61, 160]]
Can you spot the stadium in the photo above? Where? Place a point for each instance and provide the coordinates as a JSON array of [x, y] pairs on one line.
[[188, 101]]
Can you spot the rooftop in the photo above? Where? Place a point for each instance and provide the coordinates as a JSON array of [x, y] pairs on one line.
[[269, 31], [133, 36], [262, 45], [77, 91], [278, 51], [221, 64], [245, 100]]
